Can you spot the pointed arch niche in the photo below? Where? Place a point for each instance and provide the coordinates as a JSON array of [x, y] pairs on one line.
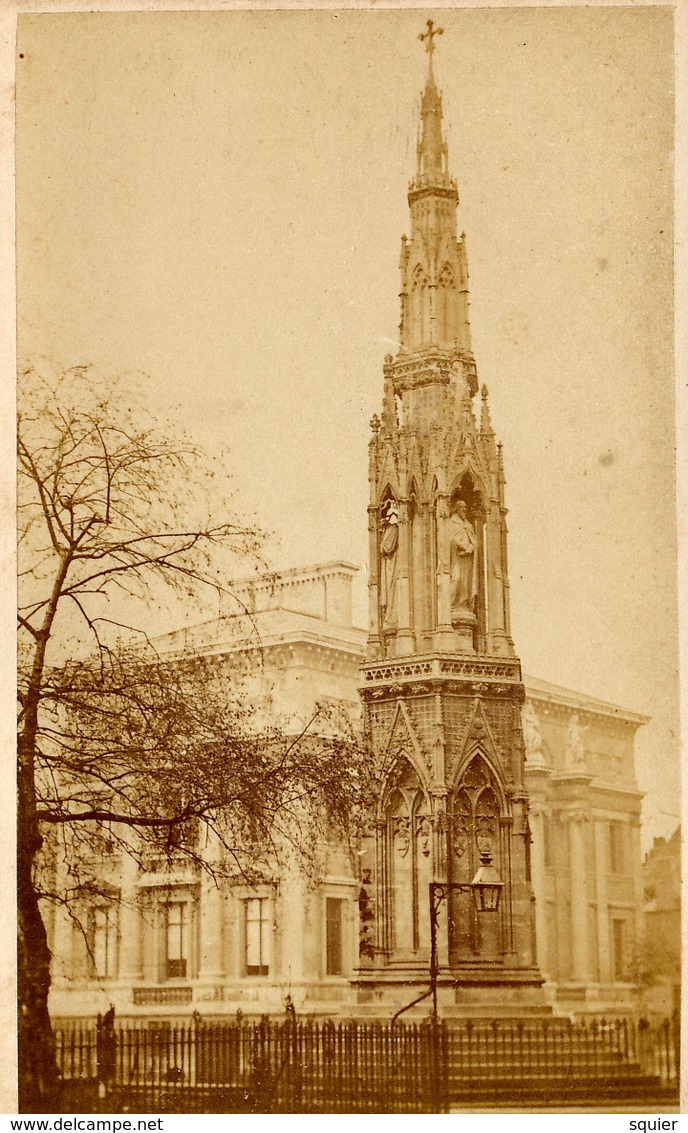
[[388, 554], [406, 844], [475, 810], [446, 306], [467, 491], [420, 308]]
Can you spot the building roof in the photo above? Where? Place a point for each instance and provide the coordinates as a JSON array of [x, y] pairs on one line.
[[546, 692], [312, 606]]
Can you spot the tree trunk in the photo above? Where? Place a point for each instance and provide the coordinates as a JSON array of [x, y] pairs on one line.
[[38, 1075]]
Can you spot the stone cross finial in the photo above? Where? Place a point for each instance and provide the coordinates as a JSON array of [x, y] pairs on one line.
[[429, 35]]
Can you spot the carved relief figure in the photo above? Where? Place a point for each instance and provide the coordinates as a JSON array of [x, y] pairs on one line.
[[402, 834], [424, 834], [532, 736], [459, 385], [575, 750], [389, 543], [463, 559]]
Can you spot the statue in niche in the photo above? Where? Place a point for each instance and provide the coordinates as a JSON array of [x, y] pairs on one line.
[[532, 736], [458, 383], [575, 749], [424, 832], [389, 543], [463, 559], [402, 835]]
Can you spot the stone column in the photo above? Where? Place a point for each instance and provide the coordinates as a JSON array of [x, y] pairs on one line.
[[382, 917], [374, 640], [539, 882], [404, 638], [601, 867], [634, 862], [495, 583], [293, 923], [439, 873], [211, 965], [211, 916], [580, 966], [130, 926], [505, 577], [423, 615], [444, 634]]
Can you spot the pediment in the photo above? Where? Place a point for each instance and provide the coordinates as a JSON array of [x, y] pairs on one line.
[[478, 734], [388, 471], [403, 741]]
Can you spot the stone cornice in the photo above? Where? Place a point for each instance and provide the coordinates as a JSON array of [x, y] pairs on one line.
[[566, 701], [423, 674], [431, 367], [448, 191]]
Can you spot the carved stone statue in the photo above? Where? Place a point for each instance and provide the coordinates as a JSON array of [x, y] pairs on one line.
[[459, 386], [532, 736], [389, 543], [402, 834], [463, 564], [424, 832], [575, 749]]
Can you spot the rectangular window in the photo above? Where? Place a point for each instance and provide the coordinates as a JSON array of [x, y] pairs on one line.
[[105, 941], [333, 936], [177, 940], [256, 936], [617, 856], [619, 949]]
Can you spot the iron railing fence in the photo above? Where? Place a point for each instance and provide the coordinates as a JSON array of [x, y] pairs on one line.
[[262, 1067], [356, 1067]]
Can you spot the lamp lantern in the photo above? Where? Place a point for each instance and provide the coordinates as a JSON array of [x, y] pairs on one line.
[[487, 885]]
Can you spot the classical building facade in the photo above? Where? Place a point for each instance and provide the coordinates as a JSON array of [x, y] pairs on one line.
[[479, 765], [170, 942]]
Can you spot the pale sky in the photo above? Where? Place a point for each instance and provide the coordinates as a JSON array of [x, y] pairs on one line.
[[217, 199]]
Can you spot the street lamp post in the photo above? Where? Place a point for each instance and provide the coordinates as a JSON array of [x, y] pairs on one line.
[[486, 888]]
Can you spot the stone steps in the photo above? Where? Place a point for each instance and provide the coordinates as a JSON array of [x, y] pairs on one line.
[[563, 1091]]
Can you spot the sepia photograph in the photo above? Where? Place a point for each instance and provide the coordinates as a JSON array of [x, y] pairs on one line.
[[348, 772]]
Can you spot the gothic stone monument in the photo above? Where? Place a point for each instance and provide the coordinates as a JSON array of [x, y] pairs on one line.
[[442, 687]]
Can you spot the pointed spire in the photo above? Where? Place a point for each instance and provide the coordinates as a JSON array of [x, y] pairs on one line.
[[431, 147]]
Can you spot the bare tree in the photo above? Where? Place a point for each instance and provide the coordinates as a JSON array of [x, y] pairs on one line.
[[112, 514]]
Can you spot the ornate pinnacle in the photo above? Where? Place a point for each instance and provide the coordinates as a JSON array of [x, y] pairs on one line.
[[485, 420], [500, 466], [389, 408]]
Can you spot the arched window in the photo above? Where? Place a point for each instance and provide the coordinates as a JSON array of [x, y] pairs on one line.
[[409, 861], [473, 829], [446, 306], [420, 308]]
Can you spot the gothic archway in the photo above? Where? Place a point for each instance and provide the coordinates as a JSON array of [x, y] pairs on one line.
[[408, 860], [475, 808]]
